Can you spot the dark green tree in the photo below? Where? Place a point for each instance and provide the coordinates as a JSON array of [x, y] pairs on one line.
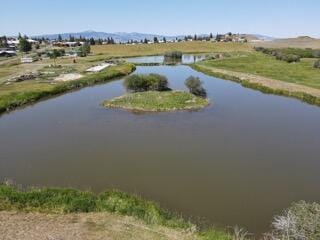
[[155, 39], [24, 45], [92, 41], [59, 38]]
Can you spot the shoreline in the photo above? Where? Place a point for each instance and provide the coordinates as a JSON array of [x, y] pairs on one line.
[[15, 101], [137, 99], [53, 208], [263, 84]]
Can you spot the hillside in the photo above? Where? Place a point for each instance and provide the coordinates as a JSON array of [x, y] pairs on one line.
[[299, 42], [118, 36]]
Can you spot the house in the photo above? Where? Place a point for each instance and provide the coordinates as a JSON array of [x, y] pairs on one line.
[[7, 53]]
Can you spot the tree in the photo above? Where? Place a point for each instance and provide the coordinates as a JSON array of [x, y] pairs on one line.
[[164, 40], [211, 36], [55, 53], [59, 38], [3, 42], [195, 37], [71, 38], [150, 82], [24, 45], [92, 41], [85, 49], [155, 39], [195, 86], [146, 41]]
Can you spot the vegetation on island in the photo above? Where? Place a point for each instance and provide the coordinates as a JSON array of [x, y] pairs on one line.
[[146, 82], [173, 55], [195, 87], [150, 93], [155, 101]]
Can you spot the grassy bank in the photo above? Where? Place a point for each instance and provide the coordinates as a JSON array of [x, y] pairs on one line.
[[260, 64], [268, 75], [64, 201], [154, 101], [19, 94], [160, 49]]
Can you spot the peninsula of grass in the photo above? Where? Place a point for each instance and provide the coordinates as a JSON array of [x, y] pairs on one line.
[[19, 94], [71, 201], [155, 101]]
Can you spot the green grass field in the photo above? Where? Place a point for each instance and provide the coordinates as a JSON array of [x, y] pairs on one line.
[[153, 101], [260, 64], [158, 49]]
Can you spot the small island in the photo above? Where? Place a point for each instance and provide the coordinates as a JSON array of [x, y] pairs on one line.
[[150, 93], [154, 101]]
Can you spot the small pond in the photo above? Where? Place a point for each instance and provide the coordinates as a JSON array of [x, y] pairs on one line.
[[239, 161]]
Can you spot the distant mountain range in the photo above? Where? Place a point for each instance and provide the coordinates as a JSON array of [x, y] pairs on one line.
[[124, 37], [118, 36]]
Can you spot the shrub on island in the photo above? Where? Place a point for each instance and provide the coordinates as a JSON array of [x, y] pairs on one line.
[[195, 87], [173, 55], [142, 83]]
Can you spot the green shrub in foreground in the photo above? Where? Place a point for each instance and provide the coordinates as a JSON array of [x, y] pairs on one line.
[[143, 82]]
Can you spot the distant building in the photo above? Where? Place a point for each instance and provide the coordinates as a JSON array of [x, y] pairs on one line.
[[7, 53]]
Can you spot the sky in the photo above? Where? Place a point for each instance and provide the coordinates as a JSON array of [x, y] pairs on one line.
[[276, 18]]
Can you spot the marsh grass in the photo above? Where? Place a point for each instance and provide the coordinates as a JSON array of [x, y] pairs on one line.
[[154, 101]]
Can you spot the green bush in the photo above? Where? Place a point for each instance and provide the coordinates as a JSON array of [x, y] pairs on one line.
[[316, 64], [142, 82], [195, 86], [173, 55]]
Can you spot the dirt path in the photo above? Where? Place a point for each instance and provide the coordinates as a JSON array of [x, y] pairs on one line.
[[267, 82], [81, 226]]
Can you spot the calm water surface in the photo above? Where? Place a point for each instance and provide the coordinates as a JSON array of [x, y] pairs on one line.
[[239, 161], [186, 59]]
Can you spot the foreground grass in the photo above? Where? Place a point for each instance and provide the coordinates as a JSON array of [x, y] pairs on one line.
[[65, 201], [260, 64], [19, 94], [154, 101], [159, 49]]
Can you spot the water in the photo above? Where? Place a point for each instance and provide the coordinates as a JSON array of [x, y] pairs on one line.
[[239, 161], [186, 59]]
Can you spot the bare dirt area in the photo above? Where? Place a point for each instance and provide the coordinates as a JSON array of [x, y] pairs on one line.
[[68, 77], [80, 226]]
